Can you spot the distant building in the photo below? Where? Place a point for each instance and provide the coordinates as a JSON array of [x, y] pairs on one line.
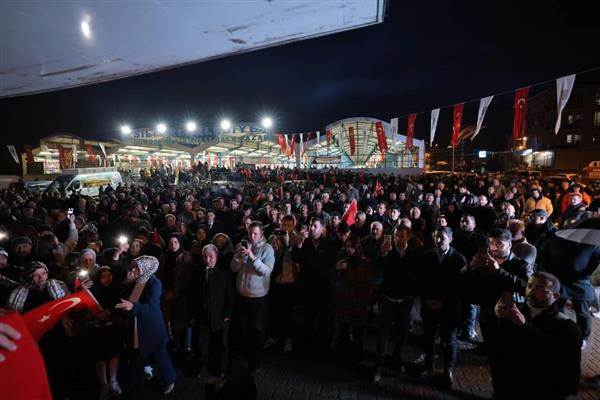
[[578, 140]]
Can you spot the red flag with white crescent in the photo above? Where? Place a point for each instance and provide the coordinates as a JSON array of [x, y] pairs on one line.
[[351, 140], [458, 113], [292, 148], [282, 145], [410, 130], [381, 141], [520, 110], [349, 216]]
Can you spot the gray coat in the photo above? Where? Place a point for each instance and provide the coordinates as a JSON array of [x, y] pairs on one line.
[[253, 278]]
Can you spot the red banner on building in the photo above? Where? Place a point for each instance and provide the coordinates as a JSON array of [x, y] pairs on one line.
[[282, 145], [309, 136], [29, 153], [328, 137], [90, 151], [520, 109], [351, 140], [65, 157], [292, 149], [410, 130], [381, 140], [458, 112]]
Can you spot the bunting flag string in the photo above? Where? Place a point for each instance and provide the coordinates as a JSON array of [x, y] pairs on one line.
[[483, 106], [435, 115], [564, 86]]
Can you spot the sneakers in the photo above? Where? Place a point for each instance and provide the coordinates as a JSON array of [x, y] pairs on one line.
[[377, 375], [288, 347], [148, 372], [169, 389], [583, 344], [115, 389]]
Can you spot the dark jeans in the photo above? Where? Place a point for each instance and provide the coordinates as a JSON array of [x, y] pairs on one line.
[[394, 319], [582, 311], [138, 361], [469, 314], [282, 300], [317, 317], [251, 314], [447, 319]]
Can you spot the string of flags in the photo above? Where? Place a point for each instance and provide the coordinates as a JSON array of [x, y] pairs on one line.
[[564, 87]]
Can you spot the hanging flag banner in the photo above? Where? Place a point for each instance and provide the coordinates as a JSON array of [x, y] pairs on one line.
[[458, 112], [564, 86], [394, 126], [90, 152], [520, 110], [29, 153], [328, 136], [301, 144], [435, 115], [103, 149], [282, 143], [351, 140], [318, 137], [13, 152], [484, 103], [410, 130], [65, 157], [381, 141], [309, 136], [292, 148]]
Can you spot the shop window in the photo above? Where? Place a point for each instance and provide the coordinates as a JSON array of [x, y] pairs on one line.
[[573, 119], [598, 99], [569, 138], [597, 119]]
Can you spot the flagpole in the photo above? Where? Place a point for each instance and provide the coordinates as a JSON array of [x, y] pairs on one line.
[[453, 147]]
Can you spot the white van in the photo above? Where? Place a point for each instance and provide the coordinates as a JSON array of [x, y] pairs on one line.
[[87, 181]]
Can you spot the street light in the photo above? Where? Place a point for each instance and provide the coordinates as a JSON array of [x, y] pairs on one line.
[[225, 124], [161, 128], [125, 129], [267, 122], [190, 126]]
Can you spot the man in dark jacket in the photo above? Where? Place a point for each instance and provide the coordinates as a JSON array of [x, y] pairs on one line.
[[316, 256], [399, 287], [440, 296], [573, 263], [538, 355], [488, 276], [213, 304]]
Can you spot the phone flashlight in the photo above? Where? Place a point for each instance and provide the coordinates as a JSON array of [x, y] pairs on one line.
[[122, 239], [83, 273]]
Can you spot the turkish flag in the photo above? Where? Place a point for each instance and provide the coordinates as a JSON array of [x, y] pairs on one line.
[[328, 136], [42, 318], [90, 152], [520, 109], [309, 136], [29, 153], [349, 216], [458, 112], [378, 188], [410, 130], [351, 140], [23, 371], [381, 141]]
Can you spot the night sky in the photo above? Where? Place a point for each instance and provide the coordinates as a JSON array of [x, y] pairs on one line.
[[425, 55]]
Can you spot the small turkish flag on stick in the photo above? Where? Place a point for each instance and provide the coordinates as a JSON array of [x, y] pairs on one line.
[[349, 216]]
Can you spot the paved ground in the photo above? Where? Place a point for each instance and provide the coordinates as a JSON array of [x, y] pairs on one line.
[[303, 376]]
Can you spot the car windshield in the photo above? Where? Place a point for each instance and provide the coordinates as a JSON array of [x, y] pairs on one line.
[[61, 182]]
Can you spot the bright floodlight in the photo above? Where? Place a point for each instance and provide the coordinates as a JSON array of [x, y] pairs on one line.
[[267, 122], [225, 124], [86, 30], [125, 129], [190, 126], [161, 128]]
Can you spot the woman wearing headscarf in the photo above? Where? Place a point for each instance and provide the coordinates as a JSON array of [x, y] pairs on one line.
[[82, 276], [225, 247], [36, 291], [148, 337], [175, 274], [202, 239], [104, 339]]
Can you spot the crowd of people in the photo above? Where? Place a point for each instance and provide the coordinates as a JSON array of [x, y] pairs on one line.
[[205, 276]]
